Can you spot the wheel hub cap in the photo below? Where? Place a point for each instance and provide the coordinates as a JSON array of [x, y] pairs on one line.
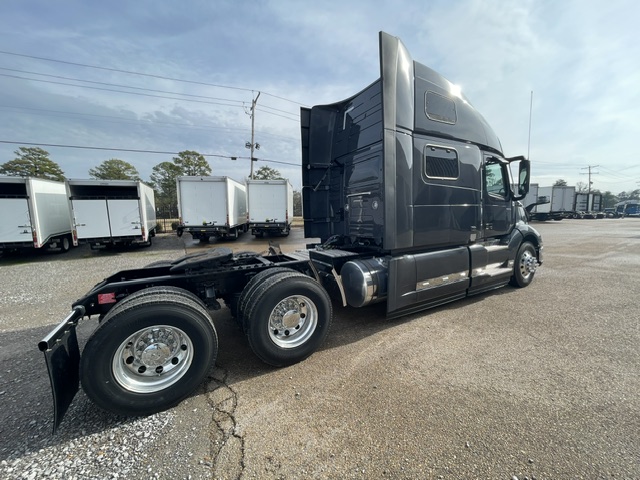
[[155, 354], [292, 321], [152, 359], [528, 264]]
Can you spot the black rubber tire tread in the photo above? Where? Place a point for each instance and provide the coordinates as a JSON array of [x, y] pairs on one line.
[[517, 280], [232, 302], [270, 292], [249, 288], [161, 290], [144, 310]]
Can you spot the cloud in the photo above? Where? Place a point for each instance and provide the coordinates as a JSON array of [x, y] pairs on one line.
[[576, 56]]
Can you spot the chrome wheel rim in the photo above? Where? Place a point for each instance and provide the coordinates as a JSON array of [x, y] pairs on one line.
[[528, 264], [292, 321], [152, 359]]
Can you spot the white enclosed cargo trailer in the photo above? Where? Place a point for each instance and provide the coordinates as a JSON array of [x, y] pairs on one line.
[[211, 207], [270, 206], [588, 205], [33, 214], [560, 205], [111, 212]]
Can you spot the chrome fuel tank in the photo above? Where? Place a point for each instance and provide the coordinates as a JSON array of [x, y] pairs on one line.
[[364, 281]]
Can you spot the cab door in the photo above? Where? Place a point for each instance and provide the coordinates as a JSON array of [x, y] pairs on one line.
[[497, 208], [490, 262]]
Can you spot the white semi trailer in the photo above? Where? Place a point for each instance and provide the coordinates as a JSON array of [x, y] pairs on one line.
[[111, 212], [33, 214], [560, 203], [211, 207], [270, 207]]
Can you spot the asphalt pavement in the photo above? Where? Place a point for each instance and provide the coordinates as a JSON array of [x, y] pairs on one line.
[[541, 382]]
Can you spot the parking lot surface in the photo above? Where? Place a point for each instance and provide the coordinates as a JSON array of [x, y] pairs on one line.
[[541, 382]]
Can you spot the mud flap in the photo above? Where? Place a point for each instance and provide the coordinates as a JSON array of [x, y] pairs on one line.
[[62, 354]]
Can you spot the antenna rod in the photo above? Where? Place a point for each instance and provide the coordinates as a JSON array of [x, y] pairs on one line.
[[529, 143]]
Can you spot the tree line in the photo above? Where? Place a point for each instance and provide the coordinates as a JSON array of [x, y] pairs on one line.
[[35, 162]]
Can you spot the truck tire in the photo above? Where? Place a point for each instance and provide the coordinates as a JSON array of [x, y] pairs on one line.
[[151, 351], [250, 287], [525, 266], [162, 290], [288, 318]]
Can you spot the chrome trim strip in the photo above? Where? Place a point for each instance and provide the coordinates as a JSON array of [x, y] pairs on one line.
[[436, 282]]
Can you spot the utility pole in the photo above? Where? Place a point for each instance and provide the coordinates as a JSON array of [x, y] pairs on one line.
[[252, 145], [594, 173]]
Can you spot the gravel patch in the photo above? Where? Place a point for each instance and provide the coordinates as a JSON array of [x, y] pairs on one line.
[[534, 383]]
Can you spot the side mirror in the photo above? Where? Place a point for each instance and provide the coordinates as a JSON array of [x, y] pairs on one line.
[[519, 191]]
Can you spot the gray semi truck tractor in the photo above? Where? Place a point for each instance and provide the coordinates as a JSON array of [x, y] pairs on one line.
[[415, 205]]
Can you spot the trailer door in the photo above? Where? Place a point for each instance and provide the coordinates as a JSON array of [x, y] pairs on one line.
[[91, 218], [15, 220], [124, 217]]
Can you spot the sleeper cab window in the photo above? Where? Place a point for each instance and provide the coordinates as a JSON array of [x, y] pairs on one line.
[[440, 108], [441, 163]]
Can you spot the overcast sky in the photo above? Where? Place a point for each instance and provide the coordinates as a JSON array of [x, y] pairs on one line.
[[204, 61]]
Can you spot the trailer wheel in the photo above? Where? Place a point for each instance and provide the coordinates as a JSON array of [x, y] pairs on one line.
[[525, 266], [151, 351], [288, 318], [65, 244]]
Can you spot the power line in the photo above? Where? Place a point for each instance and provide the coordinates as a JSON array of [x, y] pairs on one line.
[[120, 91], [113, 149], [239, 105], [60, 77], [135, 121], [129, 72], [149, 75], [131, 150]]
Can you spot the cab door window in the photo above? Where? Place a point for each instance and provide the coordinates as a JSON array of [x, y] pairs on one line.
[[494, 180]]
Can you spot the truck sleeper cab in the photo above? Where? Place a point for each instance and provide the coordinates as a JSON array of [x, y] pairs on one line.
[[414, 202], [408, 175]]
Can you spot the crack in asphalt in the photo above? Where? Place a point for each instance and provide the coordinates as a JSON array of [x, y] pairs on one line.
[[227, 445]]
